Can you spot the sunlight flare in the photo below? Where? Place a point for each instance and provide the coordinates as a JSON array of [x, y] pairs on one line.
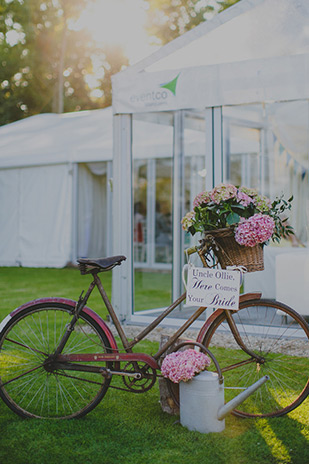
[[118, 22]]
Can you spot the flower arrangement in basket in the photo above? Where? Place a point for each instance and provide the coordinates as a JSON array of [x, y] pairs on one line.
[[237, 223], [184, 365]]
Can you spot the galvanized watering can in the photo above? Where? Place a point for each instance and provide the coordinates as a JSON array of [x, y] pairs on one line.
[[202, 405]]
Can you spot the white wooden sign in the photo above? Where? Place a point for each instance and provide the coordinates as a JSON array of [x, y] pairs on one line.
[[214, 288]]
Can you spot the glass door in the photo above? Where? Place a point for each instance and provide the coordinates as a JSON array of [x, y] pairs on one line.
[[152, 152], [169, 170]]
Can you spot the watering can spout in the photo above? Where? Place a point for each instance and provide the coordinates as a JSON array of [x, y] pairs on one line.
[[228, 407]]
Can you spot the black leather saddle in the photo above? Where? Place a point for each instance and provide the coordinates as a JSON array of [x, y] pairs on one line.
[[92, 266]]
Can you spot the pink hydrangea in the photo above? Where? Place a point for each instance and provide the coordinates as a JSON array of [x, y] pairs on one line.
[[249, 191], [187, 220], [183, 365], [243, 198], [203, 197], [257, 229], [223, 192], [262, 203]]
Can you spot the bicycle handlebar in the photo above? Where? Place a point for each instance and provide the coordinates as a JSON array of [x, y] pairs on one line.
[[191, 250]]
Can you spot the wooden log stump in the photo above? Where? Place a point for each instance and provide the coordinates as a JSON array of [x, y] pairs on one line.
[[167, 401]]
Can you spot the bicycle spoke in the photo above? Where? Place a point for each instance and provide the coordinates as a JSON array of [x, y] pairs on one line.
[[34, 350], [30, 371]]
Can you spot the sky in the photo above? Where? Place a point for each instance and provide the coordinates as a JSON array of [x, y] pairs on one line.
[[119, 22]]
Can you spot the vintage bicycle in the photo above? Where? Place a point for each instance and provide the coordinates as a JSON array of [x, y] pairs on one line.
[[58, 358]]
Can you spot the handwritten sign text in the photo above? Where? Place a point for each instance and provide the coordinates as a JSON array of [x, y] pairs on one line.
[[215, 288]]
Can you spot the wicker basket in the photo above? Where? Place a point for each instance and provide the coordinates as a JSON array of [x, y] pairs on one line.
[[230, 253]]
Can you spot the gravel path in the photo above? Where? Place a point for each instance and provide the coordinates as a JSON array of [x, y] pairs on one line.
[[289, 347]]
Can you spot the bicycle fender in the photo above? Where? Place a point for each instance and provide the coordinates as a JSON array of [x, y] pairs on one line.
[[207, 324], [68, 302], [244, 297]]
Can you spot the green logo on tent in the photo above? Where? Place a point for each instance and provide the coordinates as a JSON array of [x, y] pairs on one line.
[[171, 85]]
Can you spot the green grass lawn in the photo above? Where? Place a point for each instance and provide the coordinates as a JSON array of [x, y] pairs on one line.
[[128, 428], [146, 286], [19, 285]]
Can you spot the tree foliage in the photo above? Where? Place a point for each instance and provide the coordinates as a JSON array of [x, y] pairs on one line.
[[168, 20], [45, 62]]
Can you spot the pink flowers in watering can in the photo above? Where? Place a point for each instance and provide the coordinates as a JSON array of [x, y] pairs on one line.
[[184, 365]]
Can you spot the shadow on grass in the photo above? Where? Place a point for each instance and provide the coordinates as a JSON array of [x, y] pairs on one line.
[[132, 429]]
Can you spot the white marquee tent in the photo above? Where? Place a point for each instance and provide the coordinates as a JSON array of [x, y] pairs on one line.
[[45, 218]]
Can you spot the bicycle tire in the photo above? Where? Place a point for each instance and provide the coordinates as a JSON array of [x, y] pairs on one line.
[[284, 345], [26, 386]]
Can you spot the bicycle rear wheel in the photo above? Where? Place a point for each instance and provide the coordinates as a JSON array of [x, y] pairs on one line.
[[30, 387], [280, 337]]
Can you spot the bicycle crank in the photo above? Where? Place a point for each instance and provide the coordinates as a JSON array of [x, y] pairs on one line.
[[140, 377]]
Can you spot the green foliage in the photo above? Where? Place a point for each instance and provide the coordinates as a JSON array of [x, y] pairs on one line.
[[44, 61], [282, 228], [168, 20], [218, 216], [113, 61]]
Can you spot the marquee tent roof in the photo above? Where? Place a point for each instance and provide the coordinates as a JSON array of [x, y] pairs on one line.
[[57, 138], [85, 136], [239, 56], [251, 29]]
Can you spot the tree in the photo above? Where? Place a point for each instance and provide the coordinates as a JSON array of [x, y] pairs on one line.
[[9, 64], [45, 62], [168, 20], [113, 60], [35, 46]]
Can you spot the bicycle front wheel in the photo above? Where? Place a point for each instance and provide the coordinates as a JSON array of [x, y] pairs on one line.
[[280, 338], [27, 385]]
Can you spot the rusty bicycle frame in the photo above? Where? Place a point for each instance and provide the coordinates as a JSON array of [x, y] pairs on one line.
[[75, 362]]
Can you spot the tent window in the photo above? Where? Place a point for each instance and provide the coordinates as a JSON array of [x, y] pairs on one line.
[[92, 210]]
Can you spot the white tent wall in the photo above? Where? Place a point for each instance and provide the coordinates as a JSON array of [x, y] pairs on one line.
[[93, 215], [42, 223], [9, 217], [55, 172], [36, 216], [56, 185]]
